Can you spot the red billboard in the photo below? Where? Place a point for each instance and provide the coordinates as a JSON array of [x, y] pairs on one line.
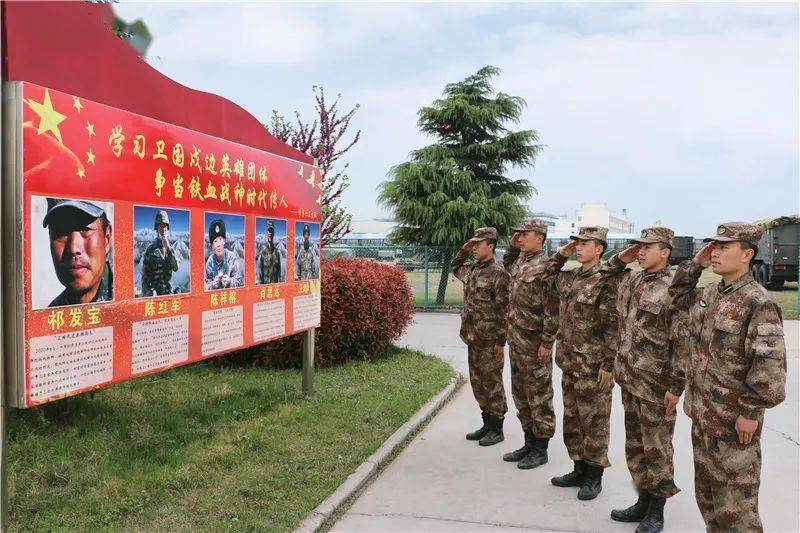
[[145, 245]]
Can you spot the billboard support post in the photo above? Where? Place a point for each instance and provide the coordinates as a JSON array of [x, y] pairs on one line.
[[308, 362]]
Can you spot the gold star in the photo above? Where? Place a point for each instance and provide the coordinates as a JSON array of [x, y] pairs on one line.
[[90, 156], [90, 128], [49, 117], [81, 173], [76, 103]]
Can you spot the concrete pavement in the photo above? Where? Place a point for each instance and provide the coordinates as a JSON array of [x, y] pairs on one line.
[[442, 482]]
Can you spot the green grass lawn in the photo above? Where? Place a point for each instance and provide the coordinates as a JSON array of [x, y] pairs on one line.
[[786, 298], [206, 447]]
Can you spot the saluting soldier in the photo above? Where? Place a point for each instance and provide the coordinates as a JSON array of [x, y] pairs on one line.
[[483, 329], [737, 369], [159, 260], [269, 260], [649, 368], [586, 346], [528, 328]]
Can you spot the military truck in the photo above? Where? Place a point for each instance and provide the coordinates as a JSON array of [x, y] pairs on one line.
[[778, 251], [682, 249]]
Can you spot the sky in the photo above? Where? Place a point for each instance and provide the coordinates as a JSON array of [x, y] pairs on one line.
[[685, 114]]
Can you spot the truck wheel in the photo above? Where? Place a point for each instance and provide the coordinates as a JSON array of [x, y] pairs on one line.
[[775, 283]]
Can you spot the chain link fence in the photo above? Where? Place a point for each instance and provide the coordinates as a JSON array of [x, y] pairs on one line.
[[428, 267]]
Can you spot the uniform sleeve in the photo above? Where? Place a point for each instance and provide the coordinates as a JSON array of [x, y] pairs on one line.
[[679, 350], [609, 321], [501, 300], [458, 265], [510, 256], [210, 281], [147, 268], [683, 289], [552, 278], [278, 268], [551, 302], [235, 273], [173, 260], [765, 383], [613, 267]]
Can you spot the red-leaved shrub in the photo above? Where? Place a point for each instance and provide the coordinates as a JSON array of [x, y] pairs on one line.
[[366, 306]]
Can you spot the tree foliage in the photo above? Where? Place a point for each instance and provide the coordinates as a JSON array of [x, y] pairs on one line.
[[457, 184], [324, 139]]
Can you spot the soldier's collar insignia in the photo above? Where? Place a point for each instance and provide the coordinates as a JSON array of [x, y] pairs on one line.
[[703, 303]]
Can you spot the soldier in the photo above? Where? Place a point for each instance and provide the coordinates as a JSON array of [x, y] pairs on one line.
[[483, 329], [269, 260], [222, 266], [649, 368], [159, 260], [587, 344], [737, 369], [305, 263], [80, 243], [528, 328]]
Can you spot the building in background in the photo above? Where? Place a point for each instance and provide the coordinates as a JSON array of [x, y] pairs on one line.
[[595, 214]]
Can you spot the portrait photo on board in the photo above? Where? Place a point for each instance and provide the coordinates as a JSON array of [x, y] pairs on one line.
[[224, 251], [270, 251], [161, 264], [71, 251], [306, 250]]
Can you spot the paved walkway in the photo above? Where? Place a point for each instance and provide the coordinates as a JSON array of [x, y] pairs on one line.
[[442, 482]]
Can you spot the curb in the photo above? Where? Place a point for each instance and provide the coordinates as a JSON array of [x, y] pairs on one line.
[[362, 475]]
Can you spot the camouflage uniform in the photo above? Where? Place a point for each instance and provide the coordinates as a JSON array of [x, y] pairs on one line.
[[269, 265], [483, 324], [650, 362], [158, 264], [587, 342], [529, 328], [304, 263], [269, 261], [737, 368]]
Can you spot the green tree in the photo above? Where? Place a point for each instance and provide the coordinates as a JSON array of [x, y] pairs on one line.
[[458, 183]]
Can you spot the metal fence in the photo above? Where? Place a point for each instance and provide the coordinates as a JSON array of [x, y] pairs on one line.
[[428, 267]]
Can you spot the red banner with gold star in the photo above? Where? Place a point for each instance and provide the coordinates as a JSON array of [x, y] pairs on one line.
[[147, 246]]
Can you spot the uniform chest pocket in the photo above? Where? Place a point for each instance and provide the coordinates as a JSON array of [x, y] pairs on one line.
[[728, 325], [483, 289], [650, 306], [586, 296]]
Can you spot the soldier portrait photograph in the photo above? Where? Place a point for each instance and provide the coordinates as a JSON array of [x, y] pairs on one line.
[[224, 251], [76, 265], [306, 250], [270, 251], [161, 239]]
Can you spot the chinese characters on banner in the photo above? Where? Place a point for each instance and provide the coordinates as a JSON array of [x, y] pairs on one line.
[[147, 246]]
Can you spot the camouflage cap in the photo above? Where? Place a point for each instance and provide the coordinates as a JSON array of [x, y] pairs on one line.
[[656, 234], [533, 224], [737, 231], [481, 234], [56, 204], [589, 233]]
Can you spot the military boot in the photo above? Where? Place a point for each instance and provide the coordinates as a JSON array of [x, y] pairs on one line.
[[537, 455], [516, 455], [495, 433], [574, 478], [593, 483], [653, 521], [634, 513], [480, 432]]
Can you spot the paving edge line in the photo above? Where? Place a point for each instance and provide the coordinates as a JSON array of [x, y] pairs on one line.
[[372, 465]]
